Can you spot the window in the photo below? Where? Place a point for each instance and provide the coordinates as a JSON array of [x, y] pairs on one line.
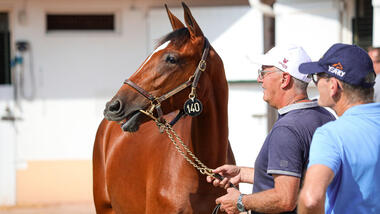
[[362, 23], [79, 22]]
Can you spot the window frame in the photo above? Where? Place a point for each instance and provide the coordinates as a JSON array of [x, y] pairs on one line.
[[115, 13]]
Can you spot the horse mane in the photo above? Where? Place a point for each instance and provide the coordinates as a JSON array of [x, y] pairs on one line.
[[178, 37]]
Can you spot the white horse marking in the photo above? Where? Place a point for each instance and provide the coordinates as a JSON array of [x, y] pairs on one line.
[[161, 47]]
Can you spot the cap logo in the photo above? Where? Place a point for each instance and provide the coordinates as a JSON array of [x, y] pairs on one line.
[[337, 69], [338, 66], [284, 61]]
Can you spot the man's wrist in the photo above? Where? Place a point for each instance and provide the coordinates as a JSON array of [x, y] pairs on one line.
[[246, 175], [240, 206]]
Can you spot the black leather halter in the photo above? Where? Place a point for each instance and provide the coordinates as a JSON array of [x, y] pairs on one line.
[[193, 81]]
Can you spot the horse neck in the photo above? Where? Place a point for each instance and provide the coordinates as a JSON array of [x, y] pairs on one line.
[[209, 131]]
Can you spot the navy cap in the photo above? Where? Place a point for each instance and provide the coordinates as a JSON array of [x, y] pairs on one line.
[[348, 63]]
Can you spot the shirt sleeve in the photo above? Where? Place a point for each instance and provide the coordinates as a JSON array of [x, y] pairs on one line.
[[285, 153], [324, 150]]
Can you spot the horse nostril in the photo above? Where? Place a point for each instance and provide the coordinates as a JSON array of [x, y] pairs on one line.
[[115, 106]]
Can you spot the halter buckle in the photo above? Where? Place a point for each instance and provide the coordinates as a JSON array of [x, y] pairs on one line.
[[202, 65], [154, 104], [151, 108]]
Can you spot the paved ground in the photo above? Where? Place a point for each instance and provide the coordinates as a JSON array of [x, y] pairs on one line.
[[74, 208], [77, 208]]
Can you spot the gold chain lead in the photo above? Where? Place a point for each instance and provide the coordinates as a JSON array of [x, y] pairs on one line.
[[203, 169]]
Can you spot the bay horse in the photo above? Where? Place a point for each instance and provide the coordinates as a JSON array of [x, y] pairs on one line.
[[136, 168]]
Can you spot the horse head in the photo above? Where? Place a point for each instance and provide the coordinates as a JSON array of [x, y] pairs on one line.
[[170, 66]]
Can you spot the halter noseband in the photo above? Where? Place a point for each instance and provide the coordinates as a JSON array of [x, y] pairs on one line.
[[156, 101]]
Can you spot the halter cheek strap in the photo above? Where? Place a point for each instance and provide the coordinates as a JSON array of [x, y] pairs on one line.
[[156, 101]]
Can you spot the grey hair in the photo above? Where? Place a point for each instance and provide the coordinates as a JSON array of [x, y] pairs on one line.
[[357, 94], [300, 85]]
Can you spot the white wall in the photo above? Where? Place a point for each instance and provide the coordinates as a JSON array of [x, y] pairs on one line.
[[247, 124], [234, 32], [315, 25], [7, 150], [75, 74]]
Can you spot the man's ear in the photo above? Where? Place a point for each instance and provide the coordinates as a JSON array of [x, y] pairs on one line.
[[286, 80], [335, 88]]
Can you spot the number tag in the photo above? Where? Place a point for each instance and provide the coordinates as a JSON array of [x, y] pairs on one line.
[[193, 107]]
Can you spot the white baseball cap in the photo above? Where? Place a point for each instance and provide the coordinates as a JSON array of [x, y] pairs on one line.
[[286, 58]]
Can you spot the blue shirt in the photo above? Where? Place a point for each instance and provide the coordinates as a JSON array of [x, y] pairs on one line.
[[286, 148], [350, 146]]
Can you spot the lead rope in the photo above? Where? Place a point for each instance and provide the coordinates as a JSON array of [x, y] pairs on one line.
[[185, 152], [203, 169]]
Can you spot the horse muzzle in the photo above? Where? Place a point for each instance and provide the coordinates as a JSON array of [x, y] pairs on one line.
[[129, 120], [114, 110]]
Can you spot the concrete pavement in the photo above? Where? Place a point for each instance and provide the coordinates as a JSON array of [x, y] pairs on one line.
[[71, 208]]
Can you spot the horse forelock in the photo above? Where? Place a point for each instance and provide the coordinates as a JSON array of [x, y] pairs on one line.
[[177, 37]]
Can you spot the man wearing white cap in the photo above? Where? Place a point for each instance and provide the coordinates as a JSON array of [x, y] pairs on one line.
[[282, 161]]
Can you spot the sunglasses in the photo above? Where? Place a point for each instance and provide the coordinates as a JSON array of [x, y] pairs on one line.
[[262, 73], [316, 77]]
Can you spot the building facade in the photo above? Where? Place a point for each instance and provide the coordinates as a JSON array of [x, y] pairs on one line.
[[58, 72]]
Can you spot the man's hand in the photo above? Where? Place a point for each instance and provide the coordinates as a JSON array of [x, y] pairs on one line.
[[231, 173], [228, 201]]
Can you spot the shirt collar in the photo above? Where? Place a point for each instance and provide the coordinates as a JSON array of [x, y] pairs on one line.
[[363, 109], [297, 106]]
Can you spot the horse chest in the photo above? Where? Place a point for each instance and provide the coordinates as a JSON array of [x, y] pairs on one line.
[[142, 175]]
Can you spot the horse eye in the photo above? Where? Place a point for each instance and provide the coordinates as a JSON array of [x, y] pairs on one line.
[[171, 59]]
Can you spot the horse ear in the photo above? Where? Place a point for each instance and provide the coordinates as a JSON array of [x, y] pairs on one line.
[[176, 23], [195, 30]]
